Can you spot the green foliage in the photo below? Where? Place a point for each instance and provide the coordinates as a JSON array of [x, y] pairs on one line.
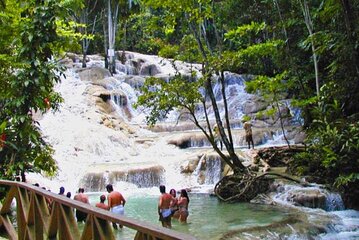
[[246, 118], [188, 50], [161, 96], [245, 34], [28, 76], [144, 33], [333, 147], [168, 51]]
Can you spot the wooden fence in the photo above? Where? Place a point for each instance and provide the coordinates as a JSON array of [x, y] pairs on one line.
[[41, 214]]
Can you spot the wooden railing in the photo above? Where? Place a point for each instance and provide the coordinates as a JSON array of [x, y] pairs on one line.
[[41, 214]]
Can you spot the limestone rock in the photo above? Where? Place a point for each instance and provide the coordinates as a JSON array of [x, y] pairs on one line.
[[105, 107], [311, 198], [106, 82], [149, 69], [254, 105], [190, 165], [94, 73], [135, 81]]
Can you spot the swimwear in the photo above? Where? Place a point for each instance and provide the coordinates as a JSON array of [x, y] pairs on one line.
[[165, 215], [183, 211], [119, 209], [166, 212]]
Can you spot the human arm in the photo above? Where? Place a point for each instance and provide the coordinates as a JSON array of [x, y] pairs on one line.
[[109, 200], [159, 205], [123, 201], [182, 202]]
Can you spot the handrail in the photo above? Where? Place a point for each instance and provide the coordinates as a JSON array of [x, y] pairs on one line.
[[35, 221]]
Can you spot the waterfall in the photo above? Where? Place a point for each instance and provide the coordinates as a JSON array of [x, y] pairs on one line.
[[313, 197], [134, 157], [213, 170], [139, 177], [334, 202], [199, 165]]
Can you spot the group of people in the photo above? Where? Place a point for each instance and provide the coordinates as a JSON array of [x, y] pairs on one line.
[[115, 202], [169, 206]]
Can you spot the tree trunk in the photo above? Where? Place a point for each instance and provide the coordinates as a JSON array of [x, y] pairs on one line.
[[282, 125], [309, 24], [105, 39], [112, 18]]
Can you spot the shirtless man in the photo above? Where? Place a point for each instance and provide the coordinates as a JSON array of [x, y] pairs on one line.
[[82, 197], [116, 202], [248, 129], [164, 210]]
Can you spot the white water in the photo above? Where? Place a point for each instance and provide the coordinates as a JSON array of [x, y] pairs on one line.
[[83, 145]]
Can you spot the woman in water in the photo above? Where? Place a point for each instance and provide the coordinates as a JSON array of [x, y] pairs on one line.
[[174, 204], [183, 202]]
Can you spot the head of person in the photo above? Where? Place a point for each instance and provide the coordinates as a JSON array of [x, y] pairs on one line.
[[68, 194], [81, 190], [62, 190], [109, 188], [102, 198], [173, 192], [184, 194], [162, 188]]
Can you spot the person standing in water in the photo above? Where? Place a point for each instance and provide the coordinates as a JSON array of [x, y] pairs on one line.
[[116, 202], [174, 204], [248, 131], [164, 207], [183, 202], [102, 203], [82, 197]]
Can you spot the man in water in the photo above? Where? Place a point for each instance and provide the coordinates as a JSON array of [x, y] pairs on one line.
[[217, 136], [82, 197], [116, 202], [164, 209], [102, 203], [248, 129]]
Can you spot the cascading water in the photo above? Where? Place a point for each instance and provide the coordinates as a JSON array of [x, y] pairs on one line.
[[136, 159]]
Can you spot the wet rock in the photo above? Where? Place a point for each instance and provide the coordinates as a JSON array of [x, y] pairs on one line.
[[263, 199], [311, 198], [142, 177], [149, 69], [254, 105], [94, 73], [104, 107], [135, 81], [190, 165], [107, 82]]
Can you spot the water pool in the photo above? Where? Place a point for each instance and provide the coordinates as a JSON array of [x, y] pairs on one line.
[[208, 219]]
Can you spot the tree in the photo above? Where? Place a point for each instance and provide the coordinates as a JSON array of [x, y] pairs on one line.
[[29, 71], [87, 15], [112, 12], [247, 52]]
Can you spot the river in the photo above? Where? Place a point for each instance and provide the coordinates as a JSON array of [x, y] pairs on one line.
[[136, 160]]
